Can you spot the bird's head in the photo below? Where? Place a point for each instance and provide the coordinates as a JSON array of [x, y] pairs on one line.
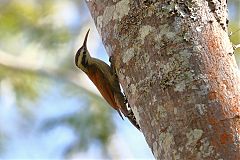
[[82, 56]]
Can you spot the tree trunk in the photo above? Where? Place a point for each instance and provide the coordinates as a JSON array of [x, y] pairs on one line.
[[174, 62]]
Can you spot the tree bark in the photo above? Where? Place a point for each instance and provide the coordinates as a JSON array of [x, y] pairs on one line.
[[174, 62]]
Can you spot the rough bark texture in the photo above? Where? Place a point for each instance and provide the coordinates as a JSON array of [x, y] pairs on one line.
[[173, 61]]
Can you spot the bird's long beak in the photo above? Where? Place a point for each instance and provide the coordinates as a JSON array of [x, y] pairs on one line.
[[85, 39]]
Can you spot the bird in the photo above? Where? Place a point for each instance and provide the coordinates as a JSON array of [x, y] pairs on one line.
[[106, 80]]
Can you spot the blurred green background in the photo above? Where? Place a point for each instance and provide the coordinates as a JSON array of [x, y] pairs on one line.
[[48, 108]]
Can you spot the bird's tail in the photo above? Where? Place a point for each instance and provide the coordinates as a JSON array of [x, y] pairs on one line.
[[119, 112], [126, 109], [132, 119]]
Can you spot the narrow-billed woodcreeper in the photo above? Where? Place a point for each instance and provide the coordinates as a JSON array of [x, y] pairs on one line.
[[105, 79]]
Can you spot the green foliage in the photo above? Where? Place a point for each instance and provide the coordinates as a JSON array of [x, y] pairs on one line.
[[24, 84], [235, 37], [234, 27], [34, 21]]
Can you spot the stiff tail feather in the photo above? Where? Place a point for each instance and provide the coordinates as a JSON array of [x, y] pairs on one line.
[[133, 120]]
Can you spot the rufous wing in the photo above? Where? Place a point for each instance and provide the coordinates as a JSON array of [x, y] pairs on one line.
[[103, 85]]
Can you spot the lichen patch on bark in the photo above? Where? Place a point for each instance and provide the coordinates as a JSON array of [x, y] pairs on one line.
[[193, 136], [99, 23], [107, 15], [144, 31], [122, 9], [206, 150], [201, 108], [115, 12], [128, 55], [166, 140]]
